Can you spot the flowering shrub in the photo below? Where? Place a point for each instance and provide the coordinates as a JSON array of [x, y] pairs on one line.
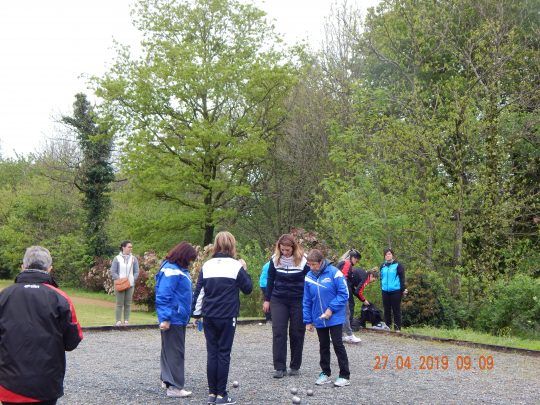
[[144, 293], [311, 240], [98, 277]]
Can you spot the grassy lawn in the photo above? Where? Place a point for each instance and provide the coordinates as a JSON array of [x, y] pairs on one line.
[[97, 309], [476, 337]]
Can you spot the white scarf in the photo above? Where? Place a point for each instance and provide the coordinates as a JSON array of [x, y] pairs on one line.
[[286, 262]]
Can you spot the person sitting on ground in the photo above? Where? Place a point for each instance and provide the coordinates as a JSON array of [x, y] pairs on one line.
[[38, 324]]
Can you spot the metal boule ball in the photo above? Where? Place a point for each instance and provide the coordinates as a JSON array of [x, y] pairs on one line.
[[296, 400], [235, 384], [294, 391], [309, 393]]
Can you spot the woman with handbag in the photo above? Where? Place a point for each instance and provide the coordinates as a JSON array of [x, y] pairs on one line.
[[173, 308], [124, 272]]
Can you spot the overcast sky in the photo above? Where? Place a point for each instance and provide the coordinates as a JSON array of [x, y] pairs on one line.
[[49, 48]]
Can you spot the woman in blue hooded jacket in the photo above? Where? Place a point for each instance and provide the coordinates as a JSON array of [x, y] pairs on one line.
[[325, 297], [173, 308]]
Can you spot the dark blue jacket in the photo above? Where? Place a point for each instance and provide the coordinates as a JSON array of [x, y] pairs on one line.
[[322, 290], [220, 281], [286, 284], [173, 294]]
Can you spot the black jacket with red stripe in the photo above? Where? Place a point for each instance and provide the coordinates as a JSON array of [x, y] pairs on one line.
[[357, 280], [37, 325]]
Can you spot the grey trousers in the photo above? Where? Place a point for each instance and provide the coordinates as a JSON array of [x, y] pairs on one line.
[[347, 330], [123, 303], [173, 349]]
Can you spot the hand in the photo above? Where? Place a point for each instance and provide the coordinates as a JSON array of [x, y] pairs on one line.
[[405, 292], [243, 263], [165, 325], [327, 314], [366, 303], [309, 327], [266, 307]]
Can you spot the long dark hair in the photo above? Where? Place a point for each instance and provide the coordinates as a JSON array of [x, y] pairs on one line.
[[182, 254]]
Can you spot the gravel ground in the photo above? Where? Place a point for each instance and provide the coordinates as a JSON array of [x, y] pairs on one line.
[[96, 376]]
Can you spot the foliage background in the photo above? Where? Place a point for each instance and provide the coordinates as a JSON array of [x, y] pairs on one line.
[[415, 127]]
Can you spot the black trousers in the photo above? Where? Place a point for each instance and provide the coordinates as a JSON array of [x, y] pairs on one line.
[[334, 332], [287, 315], [219, 334], [392, 304]]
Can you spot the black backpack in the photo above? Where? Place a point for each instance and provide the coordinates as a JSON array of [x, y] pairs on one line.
[[370, 314]]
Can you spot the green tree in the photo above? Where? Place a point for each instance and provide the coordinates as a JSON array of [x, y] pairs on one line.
[[445, 110], [198, 107], [36, 210], [94, 173]]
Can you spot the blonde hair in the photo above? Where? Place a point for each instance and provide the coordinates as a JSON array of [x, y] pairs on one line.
[[288, 240], [224, 243]]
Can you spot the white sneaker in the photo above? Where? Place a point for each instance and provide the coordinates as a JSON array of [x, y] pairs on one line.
[[118, 323], [177, 393], [323, 379], [354, 339], [341, 382]]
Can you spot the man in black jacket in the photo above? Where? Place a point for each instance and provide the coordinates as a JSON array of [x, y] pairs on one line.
[[38, 325]]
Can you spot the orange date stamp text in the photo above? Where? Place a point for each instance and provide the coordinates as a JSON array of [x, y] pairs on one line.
[[434, 362]]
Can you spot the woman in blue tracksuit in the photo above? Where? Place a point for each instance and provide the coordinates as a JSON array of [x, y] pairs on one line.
[[393, 288], [217, 300], [173, 307], [325, 297]]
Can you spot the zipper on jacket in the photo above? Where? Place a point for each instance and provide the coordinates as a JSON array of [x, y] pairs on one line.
[[320, 300]]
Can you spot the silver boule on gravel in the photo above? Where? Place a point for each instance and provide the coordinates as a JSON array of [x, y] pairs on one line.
[[294, 391], [309, 393], [235, 384], [296, 400]]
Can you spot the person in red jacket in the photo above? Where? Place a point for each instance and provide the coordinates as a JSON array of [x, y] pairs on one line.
[[348, 260], [34, 309]]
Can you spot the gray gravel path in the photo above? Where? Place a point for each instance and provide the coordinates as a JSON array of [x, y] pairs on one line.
[[96, 376]]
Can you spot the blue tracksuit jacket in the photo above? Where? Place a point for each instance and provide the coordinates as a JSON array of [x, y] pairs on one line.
[[173, 294], [322, 290]]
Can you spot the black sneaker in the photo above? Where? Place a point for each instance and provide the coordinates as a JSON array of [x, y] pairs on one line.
[[211, 399], [279, 374], [225, 400], [294, 371]]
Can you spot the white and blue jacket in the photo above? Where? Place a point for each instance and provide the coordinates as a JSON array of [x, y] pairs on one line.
[[173, 294], [217, 294], [322, 290]]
